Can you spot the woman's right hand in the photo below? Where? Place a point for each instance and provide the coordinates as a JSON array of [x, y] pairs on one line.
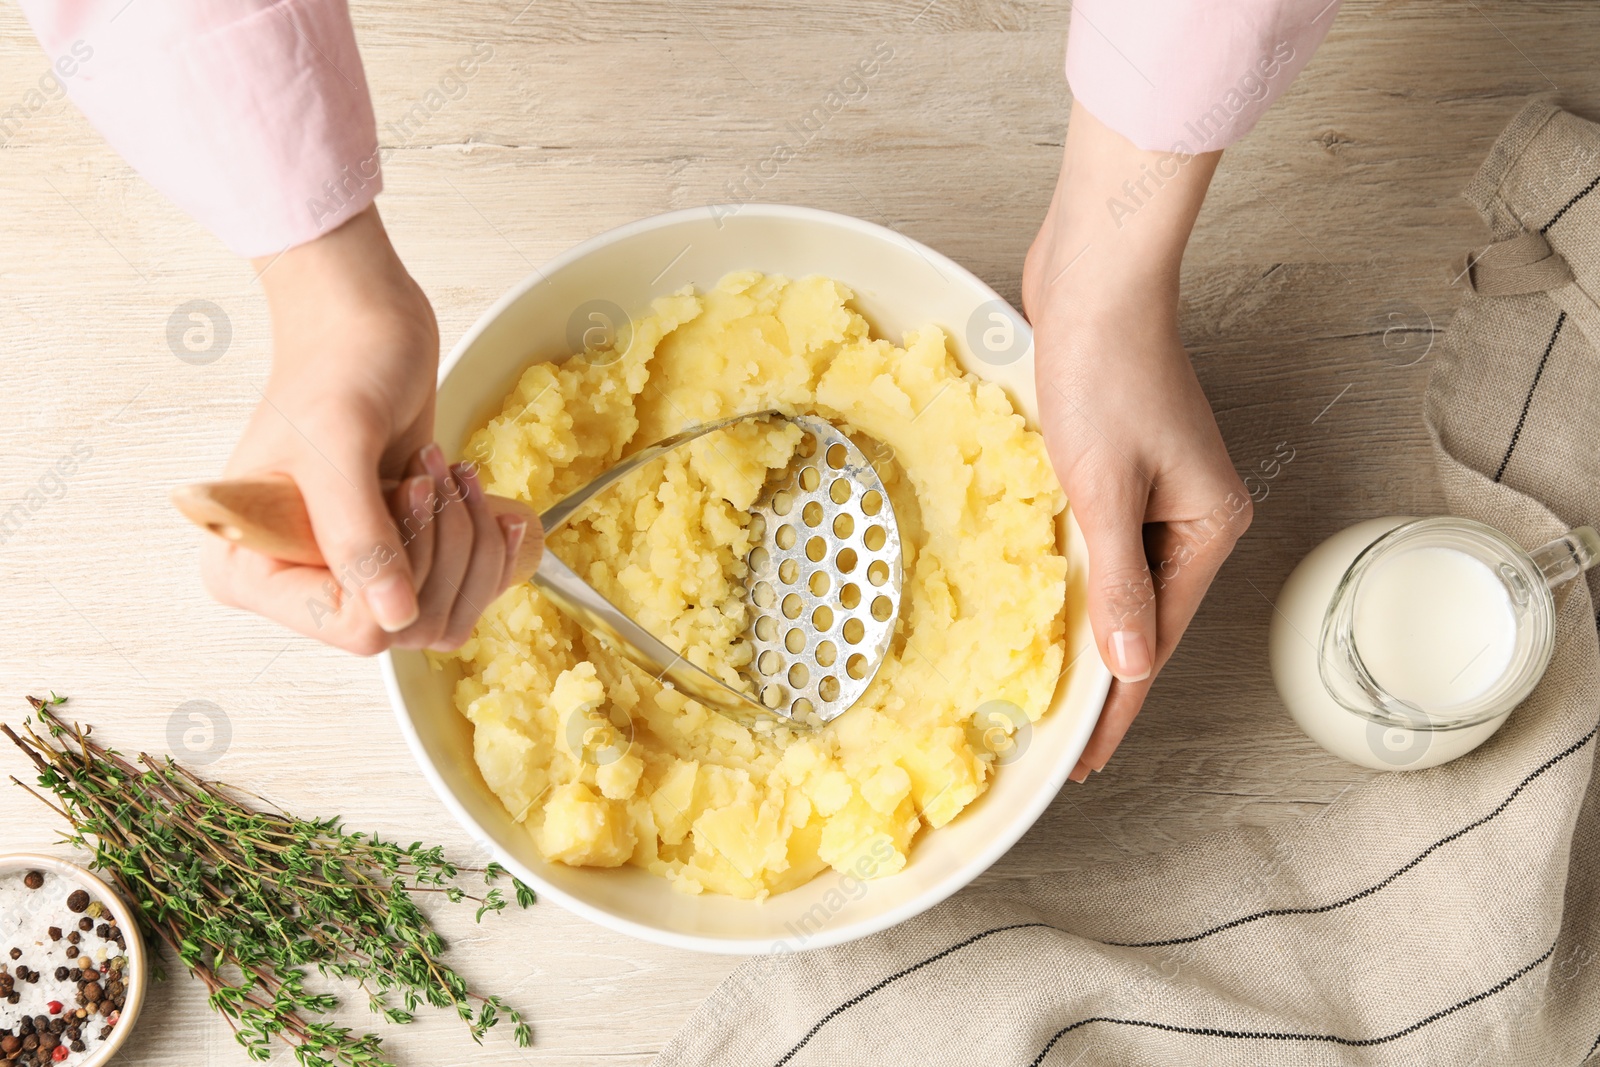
[[347, 409]]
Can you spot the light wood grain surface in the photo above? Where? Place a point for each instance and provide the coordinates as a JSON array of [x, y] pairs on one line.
[[1340, 212]]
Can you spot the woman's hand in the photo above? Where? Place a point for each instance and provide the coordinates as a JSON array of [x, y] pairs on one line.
[[1129, 430], [347, 411]]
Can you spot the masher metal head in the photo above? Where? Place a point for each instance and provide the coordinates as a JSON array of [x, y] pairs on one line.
[[823, 587], [824, 578]]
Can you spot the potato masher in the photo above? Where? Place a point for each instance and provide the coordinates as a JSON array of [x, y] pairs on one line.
[[823, 586]]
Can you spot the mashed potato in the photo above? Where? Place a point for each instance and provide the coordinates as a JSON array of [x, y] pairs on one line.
[[603, 765]]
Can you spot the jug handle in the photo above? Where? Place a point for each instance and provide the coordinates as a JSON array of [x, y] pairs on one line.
[[1567, 556]]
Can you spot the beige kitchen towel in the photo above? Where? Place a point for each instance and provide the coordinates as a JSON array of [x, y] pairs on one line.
[[1445, 916]]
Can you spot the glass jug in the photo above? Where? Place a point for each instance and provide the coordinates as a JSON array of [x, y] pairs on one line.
[[1373, 625]]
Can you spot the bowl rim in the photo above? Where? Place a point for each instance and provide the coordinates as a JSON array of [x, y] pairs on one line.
[[974, 866], [23, 861]]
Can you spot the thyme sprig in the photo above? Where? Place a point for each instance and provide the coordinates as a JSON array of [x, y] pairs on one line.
[[250, 899]]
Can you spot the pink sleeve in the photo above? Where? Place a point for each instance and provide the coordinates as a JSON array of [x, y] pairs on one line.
[[1193, 76], [250, 115]]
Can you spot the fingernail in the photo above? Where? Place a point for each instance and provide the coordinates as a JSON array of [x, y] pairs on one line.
[[1130, 656], [433, 459], [514, 530], [393, 603], [420, 488], [469, 479], [1080, 773]]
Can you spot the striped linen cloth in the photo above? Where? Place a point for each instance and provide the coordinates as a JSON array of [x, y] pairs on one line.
[[1446, 916]]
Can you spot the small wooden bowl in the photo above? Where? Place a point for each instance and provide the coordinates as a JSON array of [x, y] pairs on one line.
[[137, 973]]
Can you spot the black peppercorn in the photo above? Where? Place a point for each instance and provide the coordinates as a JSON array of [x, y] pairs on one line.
[[13, 998], [25, 1026], [16, 953], [75, 975], [33, 879], [103, 930], [86, 923], [72, 952], [55, 933], [33, 977], [74, 937], [78, 901], [61, 974], [77, 1046]]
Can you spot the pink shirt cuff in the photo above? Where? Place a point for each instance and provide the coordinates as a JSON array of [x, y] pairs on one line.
[[250, 115], [1189, 77]]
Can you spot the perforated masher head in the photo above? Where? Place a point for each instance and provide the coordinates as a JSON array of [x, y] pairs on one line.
[[823, 587], [825, 578]]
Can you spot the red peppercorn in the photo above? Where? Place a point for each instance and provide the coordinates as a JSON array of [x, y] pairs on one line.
[[55, 1007], [61, 1053]]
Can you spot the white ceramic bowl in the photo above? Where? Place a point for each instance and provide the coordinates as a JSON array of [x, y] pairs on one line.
[[137, 972], [899, 285]]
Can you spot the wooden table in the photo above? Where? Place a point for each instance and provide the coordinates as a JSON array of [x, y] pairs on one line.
[[1337, 219]]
